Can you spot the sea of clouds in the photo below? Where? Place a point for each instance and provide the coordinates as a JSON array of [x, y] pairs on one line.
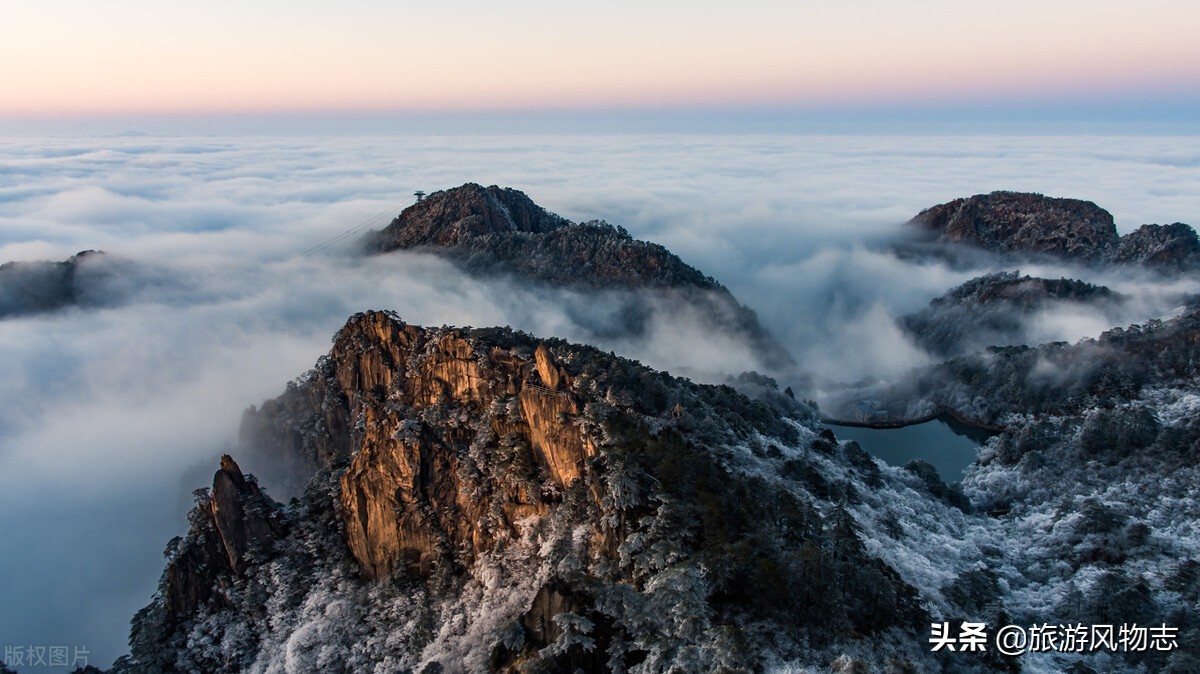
[[110, 415]]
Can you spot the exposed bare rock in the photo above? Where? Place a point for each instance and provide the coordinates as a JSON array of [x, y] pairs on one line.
[[1028, 223], [197, 573], [548, 371], [401, 493], [494, 231], [501, 230], [453, 217], [308, 428], [389, 494], [1015, 222], [1173, 246], [233, 525], [501, 502], [244, 517]]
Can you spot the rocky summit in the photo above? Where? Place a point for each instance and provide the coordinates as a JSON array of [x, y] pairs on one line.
[[481, 500], [495, 231], [501, 230], [1032, 223], [1016, 222], [1173, 246]]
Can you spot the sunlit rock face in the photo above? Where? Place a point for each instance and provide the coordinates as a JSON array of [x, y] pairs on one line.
[[239, 514], [497, 501], [402, 494]]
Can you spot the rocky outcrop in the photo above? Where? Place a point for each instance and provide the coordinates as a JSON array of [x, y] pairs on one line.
[[454, 217], [1028, 223], [1015, 222], [234, 525], [1057, 379], [494, 231], [196, 576], [403, 499], [36, 287], [992, 310], [244, 517], [1174, 247], [401, 492], [502, 231], [501, 502]]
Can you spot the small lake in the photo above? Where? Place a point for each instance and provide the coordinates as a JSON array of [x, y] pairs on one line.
[[947, 446]]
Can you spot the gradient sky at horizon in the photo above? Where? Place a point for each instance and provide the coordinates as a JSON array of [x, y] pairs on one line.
[[75, 58]]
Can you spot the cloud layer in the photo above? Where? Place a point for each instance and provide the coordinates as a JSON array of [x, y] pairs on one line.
[[110, 416]]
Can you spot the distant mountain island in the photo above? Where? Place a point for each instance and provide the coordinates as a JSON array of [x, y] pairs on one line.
[[38, 287], [499, 231], [1070, 229]]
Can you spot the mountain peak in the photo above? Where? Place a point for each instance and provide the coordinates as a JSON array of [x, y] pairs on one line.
[[489, 501], [499, 231], [1018, 222], [1173, 246], [450, 217], [1022, 222]]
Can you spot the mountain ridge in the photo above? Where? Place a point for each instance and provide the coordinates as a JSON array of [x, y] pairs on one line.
[[1071, 229], [627, 519], [500, 232], [493, 229]]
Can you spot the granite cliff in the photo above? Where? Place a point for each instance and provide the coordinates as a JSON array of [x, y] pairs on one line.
[[480, 500]]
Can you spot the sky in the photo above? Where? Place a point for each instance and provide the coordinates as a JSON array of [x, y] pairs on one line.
[[111, 415], [594, 66]]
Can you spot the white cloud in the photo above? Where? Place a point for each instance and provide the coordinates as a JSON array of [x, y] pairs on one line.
[[106, 414]]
